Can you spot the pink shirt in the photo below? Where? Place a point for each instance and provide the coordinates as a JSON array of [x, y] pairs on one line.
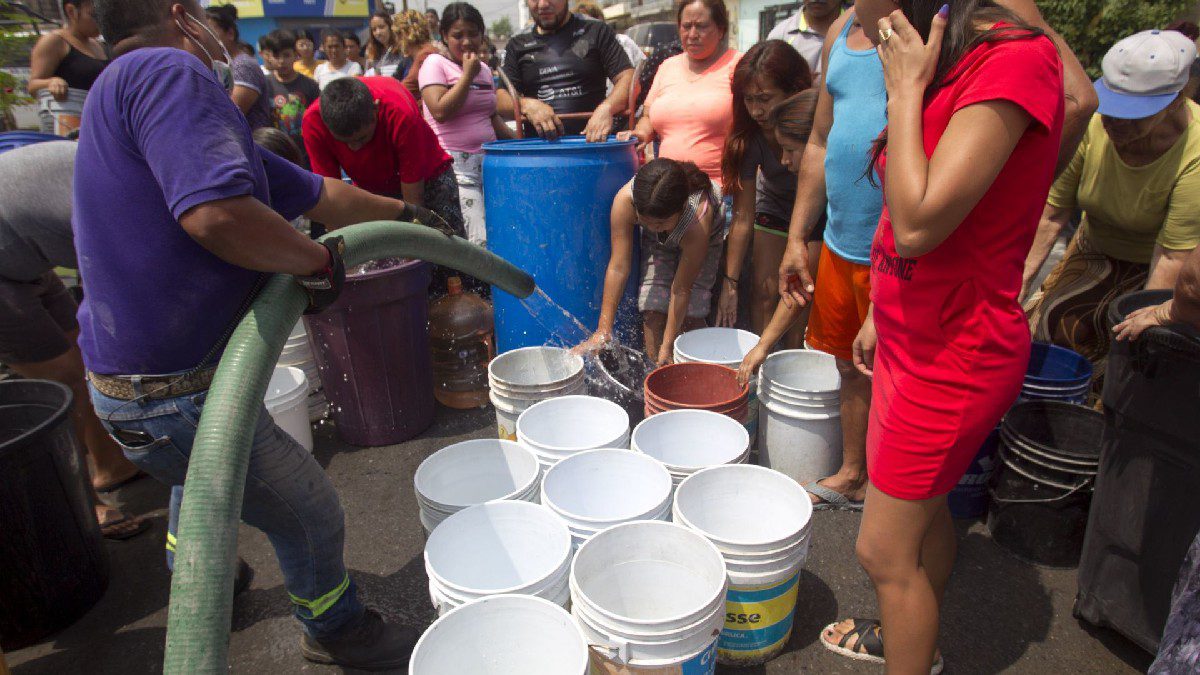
[[471, 126], [692, 113]]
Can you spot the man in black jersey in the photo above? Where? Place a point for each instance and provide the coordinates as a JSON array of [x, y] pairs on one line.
[[562, 65]]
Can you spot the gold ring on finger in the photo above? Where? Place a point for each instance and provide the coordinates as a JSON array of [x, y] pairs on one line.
[[885, 34]]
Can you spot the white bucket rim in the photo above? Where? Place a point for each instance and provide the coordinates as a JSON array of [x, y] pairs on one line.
[[496, 603], [670, 416], [540, 406], [768, 388], [569, 463], [563, 547], [618, 530], [785, 411], [775, 360], [683, 344], [293, 390], [759, 475], [510, 449], [501, 361]]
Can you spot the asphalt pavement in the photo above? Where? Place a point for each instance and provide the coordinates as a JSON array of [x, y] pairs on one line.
[[1001, 615]]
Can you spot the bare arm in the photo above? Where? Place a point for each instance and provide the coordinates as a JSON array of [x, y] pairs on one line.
[[500, 127], [1165, 266], [1054, 219], [245, 232], [444, 102], [541, 116], [43, 61], [244, 98], [413, 193], [1186, 306], [342, 204], [1081, 101], [741, 232], [620, 262]]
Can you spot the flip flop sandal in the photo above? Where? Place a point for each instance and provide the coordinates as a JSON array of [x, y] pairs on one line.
[[831, 500], [870, 640], [113, 531], [113, 487]]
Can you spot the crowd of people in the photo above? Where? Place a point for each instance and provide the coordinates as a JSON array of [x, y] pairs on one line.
[[888, 177]]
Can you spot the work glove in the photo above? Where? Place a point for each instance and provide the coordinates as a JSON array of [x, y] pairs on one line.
[[411, 213], [324, 287]]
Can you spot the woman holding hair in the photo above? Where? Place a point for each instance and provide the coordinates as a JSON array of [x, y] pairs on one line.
[[412, 31], [383, 49], [676, 205], [68, 58], [762, 187], [688, 107], [460, 106], [250, 92], [975, 115]]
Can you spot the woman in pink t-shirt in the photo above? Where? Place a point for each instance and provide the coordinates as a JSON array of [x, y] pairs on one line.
[[690, 105], [460, 106], [975, 115]]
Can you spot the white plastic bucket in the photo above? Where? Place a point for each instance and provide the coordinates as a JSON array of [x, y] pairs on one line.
[[496, 548], [520, 378], [286, 400], [535, 370], [802, 372], [725, 346], [502, 635], [61, 117], [650, 595], [597, 489], [297, 352], [560, 427], [689, 440], [474, 472], [804, 446], [760, 520]]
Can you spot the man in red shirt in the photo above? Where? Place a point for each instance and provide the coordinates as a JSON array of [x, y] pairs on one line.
[[371, 128]]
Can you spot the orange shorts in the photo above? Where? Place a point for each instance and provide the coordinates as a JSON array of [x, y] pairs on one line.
[[840, 304]]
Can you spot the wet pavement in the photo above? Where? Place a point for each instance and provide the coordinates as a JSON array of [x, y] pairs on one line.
[[1002, 615]]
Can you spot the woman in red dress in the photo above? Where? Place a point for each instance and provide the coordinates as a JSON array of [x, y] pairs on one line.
[[975, 114]]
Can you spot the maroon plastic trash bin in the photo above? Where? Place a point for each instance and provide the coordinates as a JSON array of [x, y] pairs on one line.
[[372, 349]]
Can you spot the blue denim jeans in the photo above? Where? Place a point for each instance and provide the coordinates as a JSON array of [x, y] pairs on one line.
[[288, 497]]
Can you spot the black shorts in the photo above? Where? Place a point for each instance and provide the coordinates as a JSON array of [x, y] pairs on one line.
[[36, 319]]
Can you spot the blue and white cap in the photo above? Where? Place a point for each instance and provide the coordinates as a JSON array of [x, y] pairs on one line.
[[1144, 73]]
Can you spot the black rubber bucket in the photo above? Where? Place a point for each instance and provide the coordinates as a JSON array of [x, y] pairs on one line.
[[53, 565], [1049, 454]]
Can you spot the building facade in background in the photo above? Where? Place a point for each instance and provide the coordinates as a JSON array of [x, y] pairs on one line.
[[259, 17]]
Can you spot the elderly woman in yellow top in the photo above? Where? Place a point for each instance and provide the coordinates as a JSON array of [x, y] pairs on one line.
[[1136, 178]]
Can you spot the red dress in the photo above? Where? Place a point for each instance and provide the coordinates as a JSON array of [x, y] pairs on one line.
[[953, 340]]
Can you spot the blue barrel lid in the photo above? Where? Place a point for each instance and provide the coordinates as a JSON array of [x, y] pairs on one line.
[[559, 145]]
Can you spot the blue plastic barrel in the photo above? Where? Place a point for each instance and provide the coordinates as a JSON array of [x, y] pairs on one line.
[[548, 205], [11, 140], [1056, 374]]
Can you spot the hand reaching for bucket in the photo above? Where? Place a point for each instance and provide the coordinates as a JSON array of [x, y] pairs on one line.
[[599, 340], [751, 363]]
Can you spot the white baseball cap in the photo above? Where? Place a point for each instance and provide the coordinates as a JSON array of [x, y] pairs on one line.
[[1144, 73]]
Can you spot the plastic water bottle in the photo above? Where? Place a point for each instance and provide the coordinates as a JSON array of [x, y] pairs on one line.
[[462, 340]]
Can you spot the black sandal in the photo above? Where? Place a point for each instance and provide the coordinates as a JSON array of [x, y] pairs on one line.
[[868, 645]]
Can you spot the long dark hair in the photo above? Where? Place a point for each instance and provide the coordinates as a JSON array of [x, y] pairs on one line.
[[225, 16], [375, 48], [793, 117], [464, 11], [961, 37], [777, 62], [661, 188]]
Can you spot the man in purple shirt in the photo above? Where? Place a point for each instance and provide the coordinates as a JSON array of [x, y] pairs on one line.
[[177, 215]]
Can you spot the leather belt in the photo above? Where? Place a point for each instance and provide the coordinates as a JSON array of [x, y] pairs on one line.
[[130, 387]]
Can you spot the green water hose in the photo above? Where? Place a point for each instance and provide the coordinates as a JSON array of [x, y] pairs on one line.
[[206, 552]]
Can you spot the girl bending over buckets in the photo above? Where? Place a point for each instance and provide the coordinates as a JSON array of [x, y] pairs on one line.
[[682, 233], [792, 121]]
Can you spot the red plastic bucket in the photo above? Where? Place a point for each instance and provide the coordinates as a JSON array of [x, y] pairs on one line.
[[697, 386]]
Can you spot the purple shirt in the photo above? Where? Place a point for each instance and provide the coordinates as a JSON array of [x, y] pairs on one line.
[[163, 137]]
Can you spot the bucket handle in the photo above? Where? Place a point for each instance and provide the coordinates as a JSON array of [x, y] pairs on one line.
[[1050, 500], [618, 651]]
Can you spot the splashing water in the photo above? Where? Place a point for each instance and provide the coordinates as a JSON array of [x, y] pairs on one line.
[[564, 328]]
